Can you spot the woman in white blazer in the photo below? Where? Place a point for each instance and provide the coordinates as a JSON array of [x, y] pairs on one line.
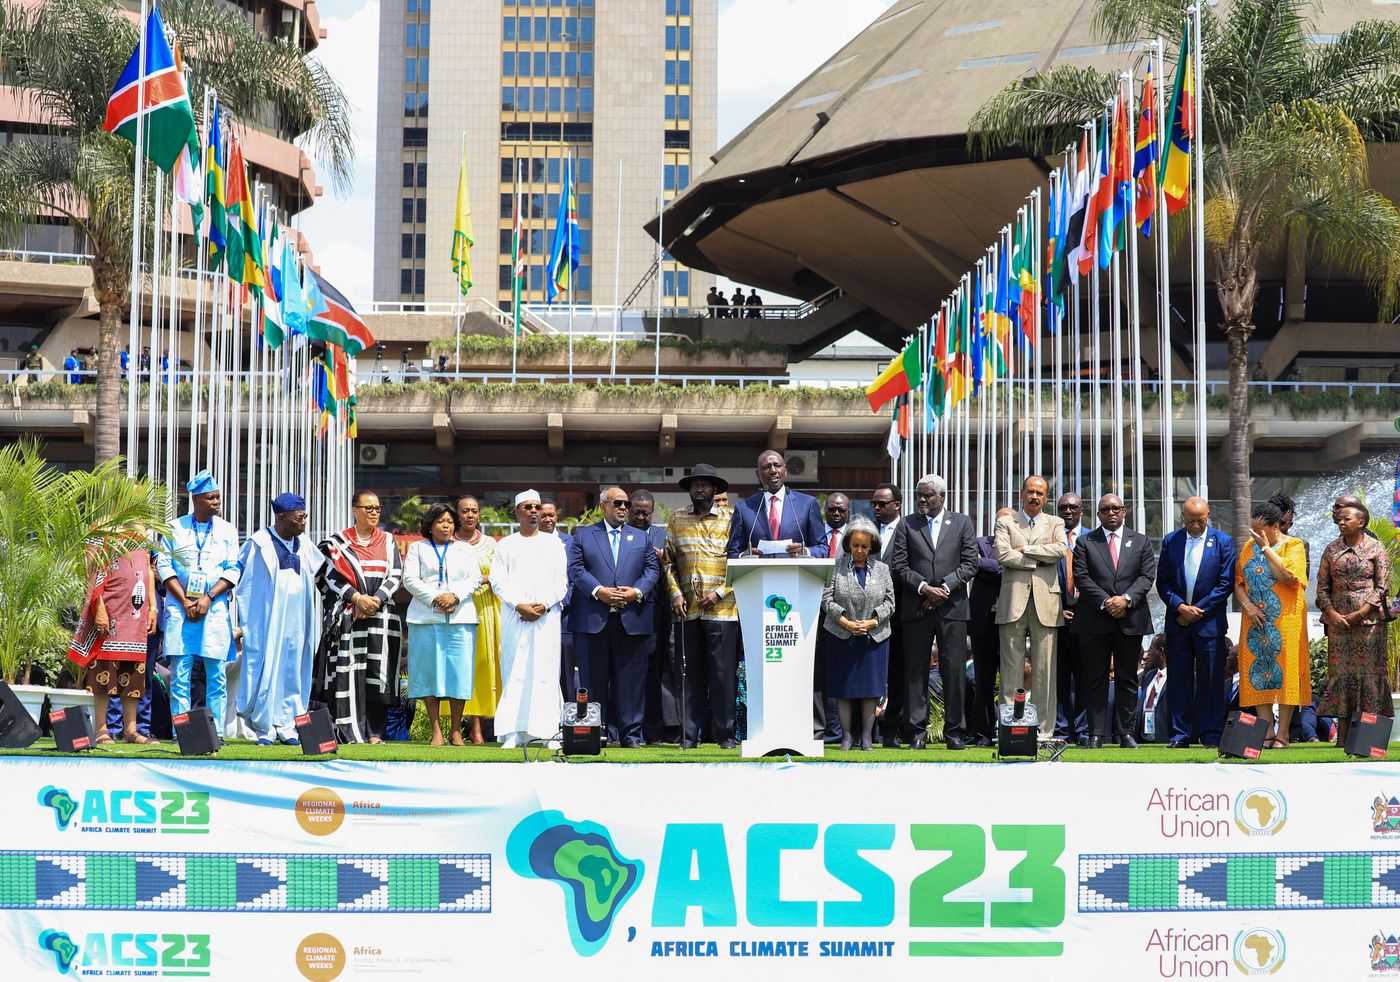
[[441, 573]]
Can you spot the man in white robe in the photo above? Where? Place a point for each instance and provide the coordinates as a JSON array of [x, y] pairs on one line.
[[198, 563], [279, 613], [529, 574]]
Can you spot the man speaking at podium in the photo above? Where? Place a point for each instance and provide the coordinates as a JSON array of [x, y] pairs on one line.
[[777, 513]]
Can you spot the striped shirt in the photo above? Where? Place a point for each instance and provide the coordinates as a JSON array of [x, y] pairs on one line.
[[696, 560]]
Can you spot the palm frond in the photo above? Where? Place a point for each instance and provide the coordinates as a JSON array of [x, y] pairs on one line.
[[1119, 21], [1043, 112]]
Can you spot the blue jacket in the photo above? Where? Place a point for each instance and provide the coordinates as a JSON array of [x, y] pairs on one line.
[[591, 566], [1215, 582], [568, 542], [800, 521]]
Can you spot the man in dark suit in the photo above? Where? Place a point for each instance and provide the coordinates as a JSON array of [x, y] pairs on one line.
[[661, 702], [777, 512], [886, 502], [568, 657], [1113, 569], [982, 633], [1069, 709], [935, 557], [1195, 581], [612, 574]]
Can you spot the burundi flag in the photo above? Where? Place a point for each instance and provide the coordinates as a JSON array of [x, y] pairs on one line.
[[462, 240], [563, 251], [1175, 172], [159, 96]]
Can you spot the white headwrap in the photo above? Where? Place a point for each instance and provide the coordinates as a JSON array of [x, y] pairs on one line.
[[524, 496]]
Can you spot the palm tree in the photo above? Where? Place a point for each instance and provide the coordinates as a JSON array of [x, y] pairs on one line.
[[1285, 125], [64, 56], [55, 528]]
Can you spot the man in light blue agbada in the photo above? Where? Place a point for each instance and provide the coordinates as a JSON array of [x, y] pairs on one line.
[[279, 613], [198, 563]]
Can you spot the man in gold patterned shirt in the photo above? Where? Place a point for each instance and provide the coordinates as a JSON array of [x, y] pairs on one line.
[[694, 566]]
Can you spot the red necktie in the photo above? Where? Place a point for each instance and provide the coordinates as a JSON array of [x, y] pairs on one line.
[[773, 518], [831, 550], [1113, 548]]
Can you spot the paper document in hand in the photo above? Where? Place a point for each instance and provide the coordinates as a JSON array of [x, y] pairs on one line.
[[773, 547]]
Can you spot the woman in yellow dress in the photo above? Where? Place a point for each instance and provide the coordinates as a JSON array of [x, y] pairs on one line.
[[486, 691], [1271, 579]]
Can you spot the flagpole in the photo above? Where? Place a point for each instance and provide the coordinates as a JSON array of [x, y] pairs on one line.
[[1096, 408], [1034, 235], [1135, 331], [172, 380], [617, 270], [152, 391], [1164, 313], [133, 326], [517, 292], [567, 260], [197, 333], [966, 456], [457, 302], [1058, 334], [1199, 241]]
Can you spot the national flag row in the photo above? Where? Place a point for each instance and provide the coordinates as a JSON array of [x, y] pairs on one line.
[[1105, 185], [244, 240]]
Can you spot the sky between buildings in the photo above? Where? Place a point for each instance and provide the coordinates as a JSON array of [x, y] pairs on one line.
[[765, 48]]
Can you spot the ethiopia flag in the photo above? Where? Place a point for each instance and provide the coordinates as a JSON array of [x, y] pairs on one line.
[[902, 375], [160, 96]]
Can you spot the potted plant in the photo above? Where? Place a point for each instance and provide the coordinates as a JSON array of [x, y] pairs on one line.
[[55, 527]]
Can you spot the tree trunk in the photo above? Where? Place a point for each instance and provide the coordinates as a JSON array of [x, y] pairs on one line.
[[1237, 335], [110, 290]]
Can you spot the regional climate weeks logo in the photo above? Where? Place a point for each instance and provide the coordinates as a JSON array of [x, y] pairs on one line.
[[1259, 951], [118, 954], [580, 856], [1260, 811], [125, 810]]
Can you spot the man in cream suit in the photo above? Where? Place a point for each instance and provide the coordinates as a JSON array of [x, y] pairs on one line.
[[1029, 546]]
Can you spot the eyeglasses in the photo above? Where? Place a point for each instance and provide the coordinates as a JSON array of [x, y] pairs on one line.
[[1070, 508], [371, 507], [620, 503], [1111, 508]]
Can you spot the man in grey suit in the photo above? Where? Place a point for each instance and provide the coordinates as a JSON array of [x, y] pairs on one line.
[[1113, 569], [1029, 546], [934, 557]]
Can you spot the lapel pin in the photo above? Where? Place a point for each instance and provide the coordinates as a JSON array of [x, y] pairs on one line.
[[1210, 543]]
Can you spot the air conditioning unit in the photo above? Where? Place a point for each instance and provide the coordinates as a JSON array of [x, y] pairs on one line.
[[374, 454], [802, 466]]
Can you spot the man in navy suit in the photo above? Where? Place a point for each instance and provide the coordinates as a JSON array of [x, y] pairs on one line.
[[568, 657], [1195, 580], [661, 701], [612, 575], [982, 634], [777, 512]]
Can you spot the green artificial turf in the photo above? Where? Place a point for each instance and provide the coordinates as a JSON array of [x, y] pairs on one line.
[[1313, 753]]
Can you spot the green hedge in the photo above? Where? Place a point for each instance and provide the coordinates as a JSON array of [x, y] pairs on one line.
[[542, 346]]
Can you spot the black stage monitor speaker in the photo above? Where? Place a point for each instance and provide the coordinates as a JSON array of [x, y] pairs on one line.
[[17, 728], [582, 724], [1018, 727], [72, 729], [1368, 735], [316, 733], [195, 732], [1244, 735]]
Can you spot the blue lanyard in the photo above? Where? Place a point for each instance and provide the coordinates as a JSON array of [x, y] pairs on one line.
[[442, 558], [200, 541]]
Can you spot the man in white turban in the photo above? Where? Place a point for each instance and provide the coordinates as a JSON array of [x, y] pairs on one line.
[[529, 574]]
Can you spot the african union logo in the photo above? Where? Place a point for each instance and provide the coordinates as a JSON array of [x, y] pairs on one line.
[[62, 803], [1259, 951], [65, 952], [1385, 954], [580, 856], [1260, 811], [780, 604], [1385, 815]]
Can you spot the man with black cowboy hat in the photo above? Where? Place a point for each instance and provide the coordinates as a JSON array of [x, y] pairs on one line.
[[694, 565]]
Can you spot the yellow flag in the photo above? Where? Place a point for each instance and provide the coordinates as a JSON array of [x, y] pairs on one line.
[[462, 231]]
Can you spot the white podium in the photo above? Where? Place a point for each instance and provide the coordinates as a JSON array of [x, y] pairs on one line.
[[780, 614]]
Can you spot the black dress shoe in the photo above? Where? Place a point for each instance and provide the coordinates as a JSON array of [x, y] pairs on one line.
[[1084, 741], [956, 743], [919, 742], [631, 744], [1178, 744], [1095, 743], [1127, 743], [890, 742], [727, 745], [687, 745], [984, 741]]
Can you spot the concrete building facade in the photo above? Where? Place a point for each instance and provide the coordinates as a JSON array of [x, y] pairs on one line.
[[627, 90]]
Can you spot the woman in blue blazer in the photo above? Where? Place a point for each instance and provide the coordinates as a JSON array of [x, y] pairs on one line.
[[858, 606]]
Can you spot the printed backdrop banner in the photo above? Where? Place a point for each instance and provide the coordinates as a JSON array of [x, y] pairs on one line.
[[258, 871]]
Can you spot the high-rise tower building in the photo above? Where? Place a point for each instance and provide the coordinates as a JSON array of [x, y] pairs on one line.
[[627, 88]]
